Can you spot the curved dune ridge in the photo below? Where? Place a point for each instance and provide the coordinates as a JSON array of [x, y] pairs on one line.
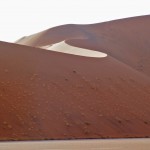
[[63, 47], [50, 95]]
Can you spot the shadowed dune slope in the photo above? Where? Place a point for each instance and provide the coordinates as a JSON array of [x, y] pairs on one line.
[[51, 95]]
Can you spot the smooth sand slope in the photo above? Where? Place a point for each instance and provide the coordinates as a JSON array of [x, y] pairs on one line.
[[52, 95]]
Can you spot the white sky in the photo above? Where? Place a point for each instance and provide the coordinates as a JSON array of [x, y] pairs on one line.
[[24, 17]]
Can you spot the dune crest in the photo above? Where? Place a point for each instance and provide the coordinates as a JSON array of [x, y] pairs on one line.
[[63, 47]]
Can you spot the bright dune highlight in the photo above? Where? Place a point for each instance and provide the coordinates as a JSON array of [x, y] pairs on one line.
[[63, 47]]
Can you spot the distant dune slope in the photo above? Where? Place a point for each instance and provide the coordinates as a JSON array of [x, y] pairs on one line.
[[52, 95], [127, 40]]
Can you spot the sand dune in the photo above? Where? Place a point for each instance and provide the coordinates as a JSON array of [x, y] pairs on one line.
[[126, 40], [46, 94], [63, 47], [51, 95]]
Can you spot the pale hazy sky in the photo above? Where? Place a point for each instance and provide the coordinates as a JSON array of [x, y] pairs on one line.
[[24, 17]]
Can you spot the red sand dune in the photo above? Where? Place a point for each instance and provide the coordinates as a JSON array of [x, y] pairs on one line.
[[51, 95]]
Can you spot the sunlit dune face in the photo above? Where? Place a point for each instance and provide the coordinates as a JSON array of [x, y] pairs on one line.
[[63, 47]]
